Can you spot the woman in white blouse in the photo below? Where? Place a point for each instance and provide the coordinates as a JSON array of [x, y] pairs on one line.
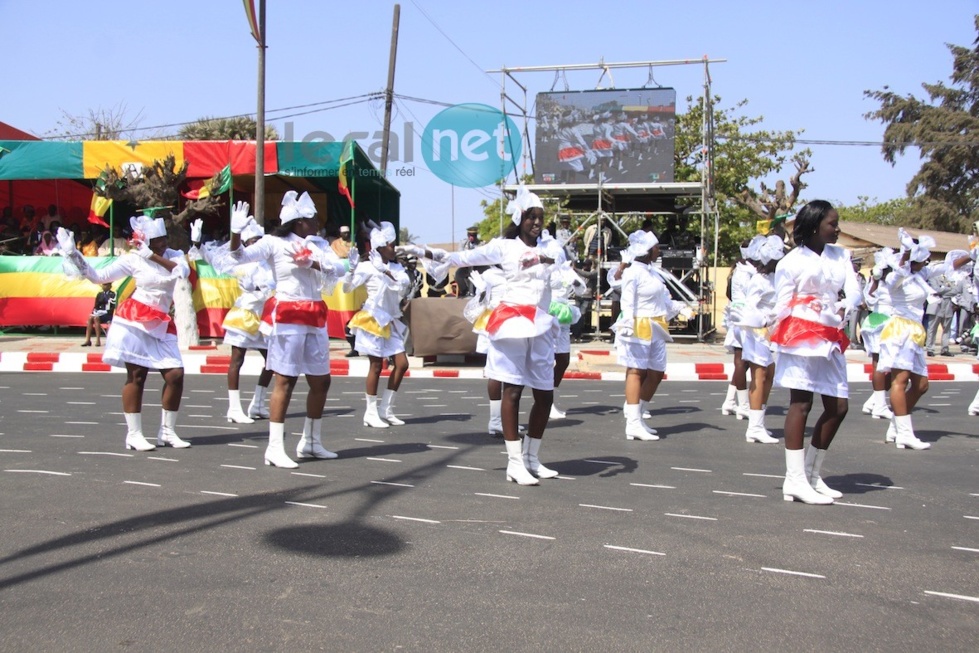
[[809, 344], [303, 266], [143, 335]]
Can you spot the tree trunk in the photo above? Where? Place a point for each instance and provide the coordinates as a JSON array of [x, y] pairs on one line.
[[184, 315]]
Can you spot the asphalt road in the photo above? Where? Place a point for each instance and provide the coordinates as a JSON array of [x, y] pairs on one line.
[[412, 540]]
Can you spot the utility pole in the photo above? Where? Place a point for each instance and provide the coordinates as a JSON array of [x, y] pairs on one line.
[[259, 208], [389, 91]]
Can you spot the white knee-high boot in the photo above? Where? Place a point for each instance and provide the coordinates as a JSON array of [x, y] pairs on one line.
[[974, 406], [167, 436], [515, 470], [756, 428], [386, 409], [134, 433], [531, 447], [495, 426], [644, 414], [275, 453], [256, 408], [310, 444], [371, 418], [235, 413], [906, 439], [727, 408], [633, 424], [796, 484], [814, 462], [881, 410], [744, 406]]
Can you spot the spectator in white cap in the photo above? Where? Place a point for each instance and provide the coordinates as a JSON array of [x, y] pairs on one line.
[[756, 316], [143, 335], [303, 266], [341, 246]]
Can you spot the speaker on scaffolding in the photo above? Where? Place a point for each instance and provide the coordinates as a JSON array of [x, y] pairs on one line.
[[677, 259]]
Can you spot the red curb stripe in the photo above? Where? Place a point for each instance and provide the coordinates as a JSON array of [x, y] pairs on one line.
[[217, 360], [96, 367], [341, 372], [387, 372], [709, 368], [595, 352], [941, 377], [42, 357], [214, 369], [93, 358], [937, 368], [38, 367], [975, 368], [445, 374], [590, 376], [201, 347], [712, 377], [868, 368]]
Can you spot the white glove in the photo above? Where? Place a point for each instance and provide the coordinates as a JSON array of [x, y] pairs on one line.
[[144, 251], [302, 255], [414, 250], [438, 255], [907, 242], [196, 230], [877, 272], [353, 257], [66, 241], [240, 218], [377, 261]]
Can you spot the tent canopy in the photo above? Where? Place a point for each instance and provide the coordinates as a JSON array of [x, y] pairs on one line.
[[303, 166]]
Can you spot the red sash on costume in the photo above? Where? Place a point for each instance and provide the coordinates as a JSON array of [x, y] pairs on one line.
[[602, 144], [308, 312], [569, 153], [137, 312], [794, 331], [504, 312]]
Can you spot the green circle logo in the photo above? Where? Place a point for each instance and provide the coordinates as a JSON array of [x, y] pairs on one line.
[[471, 145]]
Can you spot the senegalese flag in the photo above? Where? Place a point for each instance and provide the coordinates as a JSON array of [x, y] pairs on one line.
[[219, 183], [343, 184], [98, 209]]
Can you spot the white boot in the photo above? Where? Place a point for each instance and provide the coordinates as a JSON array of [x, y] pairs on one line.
[[495, 426], [814, 462], [530, 448], [727, 408], [386, 409], [870, 404], [515, 470], [906, 439], [974, 406], [796, 485], [881, 410], [891, 434], [764, 412], [756, 428], [235, 414], [275, 453], [310, 444], [134, 433], [633, 424], [256, 409], [645, 410], [556, 413], [166, 436], [371, 418], [743, 405]]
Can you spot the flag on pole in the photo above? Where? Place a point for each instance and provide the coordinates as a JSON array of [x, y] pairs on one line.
[[98, 209], [347, 156], [252, 20], [219, 183]]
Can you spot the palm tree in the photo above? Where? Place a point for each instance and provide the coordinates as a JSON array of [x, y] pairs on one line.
[[241, 128]]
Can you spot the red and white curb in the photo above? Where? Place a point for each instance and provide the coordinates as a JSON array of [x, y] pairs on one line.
[[196, 362]]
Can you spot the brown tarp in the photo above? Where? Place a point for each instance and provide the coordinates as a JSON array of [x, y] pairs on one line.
[[438, 327]]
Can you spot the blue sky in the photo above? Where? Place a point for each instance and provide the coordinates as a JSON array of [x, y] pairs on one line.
[[800, 65]]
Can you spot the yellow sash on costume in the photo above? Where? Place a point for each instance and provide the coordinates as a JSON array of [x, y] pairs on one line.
[[762, 333], [365, 322], [479, 326], [643, 328], [242, 320], [902, 329]]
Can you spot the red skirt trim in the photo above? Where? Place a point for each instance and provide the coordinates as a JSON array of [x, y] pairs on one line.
[[504, 312], [794, 331], [307, 312], [149, 317]]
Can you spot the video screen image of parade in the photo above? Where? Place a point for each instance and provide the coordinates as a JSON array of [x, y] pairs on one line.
[[613, 136]]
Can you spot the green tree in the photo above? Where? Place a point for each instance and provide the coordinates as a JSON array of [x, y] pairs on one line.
[[945, 130], [894, 212], [240, 128]]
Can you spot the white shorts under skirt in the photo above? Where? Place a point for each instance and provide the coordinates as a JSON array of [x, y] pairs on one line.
[[562, 343], [756, 349], [523, 361], [641, 355], [902, 356], [368, 344], [234, 338], [296, 354], [126, 344], [824, 376]]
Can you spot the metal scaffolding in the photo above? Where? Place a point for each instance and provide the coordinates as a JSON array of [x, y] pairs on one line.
[[634, 199]]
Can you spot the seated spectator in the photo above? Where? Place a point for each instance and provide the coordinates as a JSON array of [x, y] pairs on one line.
[[341, 246], [87, 243], [105, 306], [48, 245], [52, 217], [114, 246]]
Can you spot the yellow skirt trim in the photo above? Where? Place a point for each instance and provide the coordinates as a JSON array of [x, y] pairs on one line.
[[242, 320], [644, 326], [365, 322], [479, 326], [901, 329]]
